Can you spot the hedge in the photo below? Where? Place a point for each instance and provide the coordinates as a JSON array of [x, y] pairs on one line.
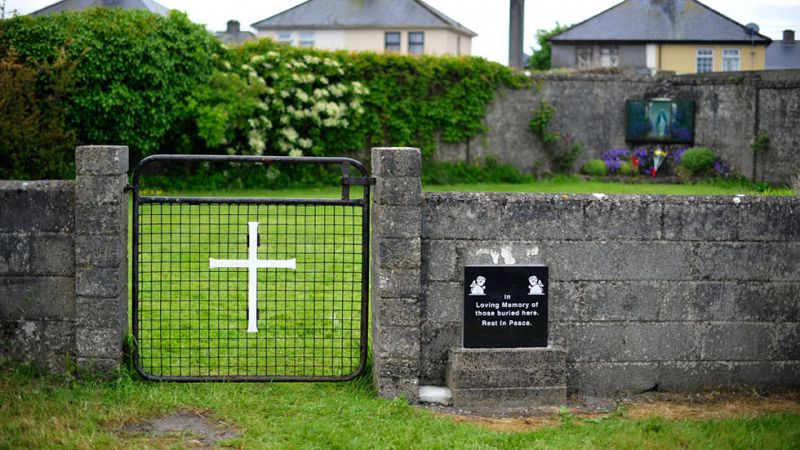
[[166, 85]]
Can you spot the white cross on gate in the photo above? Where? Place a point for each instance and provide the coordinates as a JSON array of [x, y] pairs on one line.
[[252, 264]]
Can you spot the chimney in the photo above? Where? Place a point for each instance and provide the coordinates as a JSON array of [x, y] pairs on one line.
[[516, 32], [233, 27], [788, 37]]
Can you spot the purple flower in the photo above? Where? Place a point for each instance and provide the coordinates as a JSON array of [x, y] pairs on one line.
[[722, 168], [677, 154], [614, 157]]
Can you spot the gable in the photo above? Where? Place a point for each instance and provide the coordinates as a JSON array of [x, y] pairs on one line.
[[336, 14], [659, 21]]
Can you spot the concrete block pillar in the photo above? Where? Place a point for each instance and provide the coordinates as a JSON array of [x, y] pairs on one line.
[[396, 266], [101, 260]]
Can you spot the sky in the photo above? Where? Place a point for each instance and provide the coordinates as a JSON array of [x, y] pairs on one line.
[[488, 18]]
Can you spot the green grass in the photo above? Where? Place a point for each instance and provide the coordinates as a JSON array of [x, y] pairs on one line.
[[39, 412], [579, 185], [556, 184]]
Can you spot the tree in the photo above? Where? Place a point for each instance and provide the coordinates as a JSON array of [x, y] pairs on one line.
[[541, 57]]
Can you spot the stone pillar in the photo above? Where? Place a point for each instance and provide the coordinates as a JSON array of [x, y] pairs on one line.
[[101, 264], [396, 266]]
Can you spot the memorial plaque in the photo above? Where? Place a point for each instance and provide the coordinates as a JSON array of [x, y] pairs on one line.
[[505, 306]]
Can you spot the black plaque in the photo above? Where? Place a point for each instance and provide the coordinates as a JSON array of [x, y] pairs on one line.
[[505, 306]]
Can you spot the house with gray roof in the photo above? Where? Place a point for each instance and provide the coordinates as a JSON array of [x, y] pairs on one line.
[[784, 54], [684, 36], [79, 5], [402, 26], [233, 34]]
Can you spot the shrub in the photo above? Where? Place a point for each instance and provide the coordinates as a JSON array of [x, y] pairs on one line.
[[594, 167], [166, 85], [795, 184], [488, 170], [626, 168], [698, 160], [540, 123], [135, 71], [34, 141]]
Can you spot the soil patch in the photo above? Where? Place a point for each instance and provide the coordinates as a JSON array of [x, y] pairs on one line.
[[705, 406], [193, 428]]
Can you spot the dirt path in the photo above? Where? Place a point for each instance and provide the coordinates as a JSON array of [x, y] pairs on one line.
[[712, 405]]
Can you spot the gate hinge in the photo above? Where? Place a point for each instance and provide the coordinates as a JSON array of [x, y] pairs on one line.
[[358, 181], [127, 188]]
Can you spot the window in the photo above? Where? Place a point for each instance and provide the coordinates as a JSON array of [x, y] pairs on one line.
[[705, 60], [392, 41], [286, 37], [584, 57], [306, 39], [730, 60], [416, 43], [609, 56]]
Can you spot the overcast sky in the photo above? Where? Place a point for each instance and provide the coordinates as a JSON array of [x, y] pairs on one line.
[[488, 18]]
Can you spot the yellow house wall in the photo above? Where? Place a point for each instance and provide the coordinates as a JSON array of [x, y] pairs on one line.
[[682, 58]]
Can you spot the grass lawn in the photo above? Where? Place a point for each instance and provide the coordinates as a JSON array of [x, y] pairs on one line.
[[557, 184], [579, 185], [40, 412]]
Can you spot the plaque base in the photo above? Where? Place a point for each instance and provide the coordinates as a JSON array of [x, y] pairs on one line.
[[504, 379]]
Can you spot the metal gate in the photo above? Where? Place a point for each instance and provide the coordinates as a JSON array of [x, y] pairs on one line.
[[250, 289]]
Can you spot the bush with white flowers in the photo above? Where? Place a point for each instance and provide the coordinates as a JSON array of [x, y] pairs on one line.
[[304, 97]]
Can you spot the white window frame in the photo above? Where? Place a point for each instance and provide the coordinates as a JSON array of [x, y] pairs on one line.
[[286, 37], [305, 39], [392, 46], [416, 48], [731, 60], [704, 59]]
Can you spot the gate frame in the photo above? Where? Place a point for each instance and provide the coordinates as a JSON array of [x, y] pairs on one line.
[[346, 181]]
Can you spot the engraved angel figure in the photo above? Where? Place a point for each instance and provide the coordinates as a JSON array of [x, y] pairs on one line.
[[478, 287], [536, 287]]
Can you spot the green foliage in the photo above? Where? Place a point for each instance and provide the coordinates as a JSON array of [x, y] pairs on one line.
[[34, 141], [166, 85], [488, 170], [135, 71], [594, 167], [540, 123], [627, 169], [564, 160], [383, 99], [540, 59], [698, 160], [760, 143]]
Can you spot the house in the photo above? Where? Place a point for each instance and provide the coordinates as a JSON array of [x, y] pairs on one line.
[[784, 54], [79, 5], [234, 35], [402, 26], [684, 36]]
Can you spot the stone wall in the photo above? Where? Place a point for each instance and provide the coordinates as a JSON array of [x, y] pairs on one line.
[[647, 292], [730, 110], [63, 265]]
